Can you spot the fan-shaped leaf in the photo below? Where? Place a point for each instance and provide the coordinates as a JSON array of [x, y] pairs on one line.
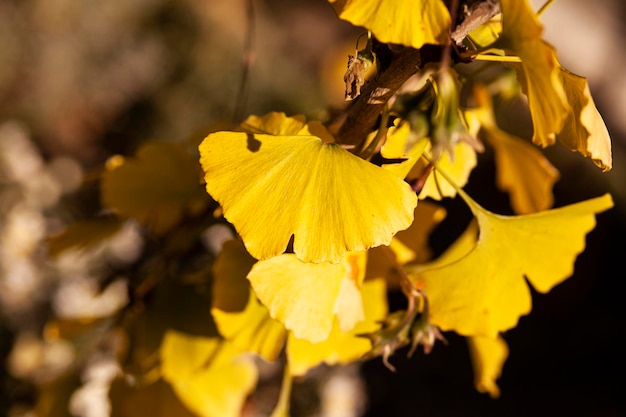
[[307, 297], [484, 292], [341, 347], [274, 187]]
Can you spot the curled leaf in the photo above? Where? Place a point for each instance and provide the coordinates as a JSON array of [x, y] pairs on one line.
[[538, 72], [584, 130]]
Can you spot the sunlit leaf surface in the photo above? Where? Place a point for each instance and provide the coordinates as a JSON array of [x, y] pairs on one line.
[[341, 347], [459, 169], [484, 292], [402, 144], [406, 22], [274, 187], [307, 297]]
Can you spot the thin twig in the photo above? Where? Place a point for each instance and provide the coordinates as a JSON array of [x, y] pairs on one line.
[[496, 58], [380, 135], [544, 7], [247, 60]]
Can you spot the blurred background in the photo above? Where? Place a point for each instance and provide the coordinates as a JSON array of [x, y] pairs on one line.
[[83, 80]]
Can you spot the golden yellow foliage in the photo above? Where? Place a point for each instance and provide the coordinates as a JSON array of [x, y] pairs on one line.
[[484, 291], [521, 169], [406, 22], [341, 347], [307, 297], [274, 187], [584, 130], [538, 72]]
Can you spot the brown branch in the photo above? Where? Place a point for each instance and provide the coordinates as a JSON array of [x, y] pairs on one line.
[[474, 15], [395, 68], [361, 117]]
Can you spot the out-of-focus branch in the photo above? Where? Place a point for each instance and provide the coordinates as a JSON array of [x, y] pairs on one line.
[[247, 60]]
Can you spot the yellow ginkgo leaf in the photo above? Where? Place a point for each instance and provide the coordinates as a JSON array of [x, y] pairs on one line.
[[252, 329], [538, 72], [458, 168], [209, 375], [521, 169], [408, 246], [484, 292], [341, 347], [415, 238], [274, 123], [584, 130], [401, 144], [488, 356], [274, 187], [157, 187], [405, 22], [307, 297], [487, 33], [248, 326]]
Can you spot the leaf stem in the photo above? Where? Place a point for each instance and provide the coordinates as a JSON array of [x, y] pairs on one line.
[[497, 58], [468, 200], [544, 7], [380, 134]]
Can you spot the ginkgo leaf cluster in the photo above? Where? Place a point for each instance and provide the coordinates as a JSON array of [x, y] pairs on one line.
[[319, 233]]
